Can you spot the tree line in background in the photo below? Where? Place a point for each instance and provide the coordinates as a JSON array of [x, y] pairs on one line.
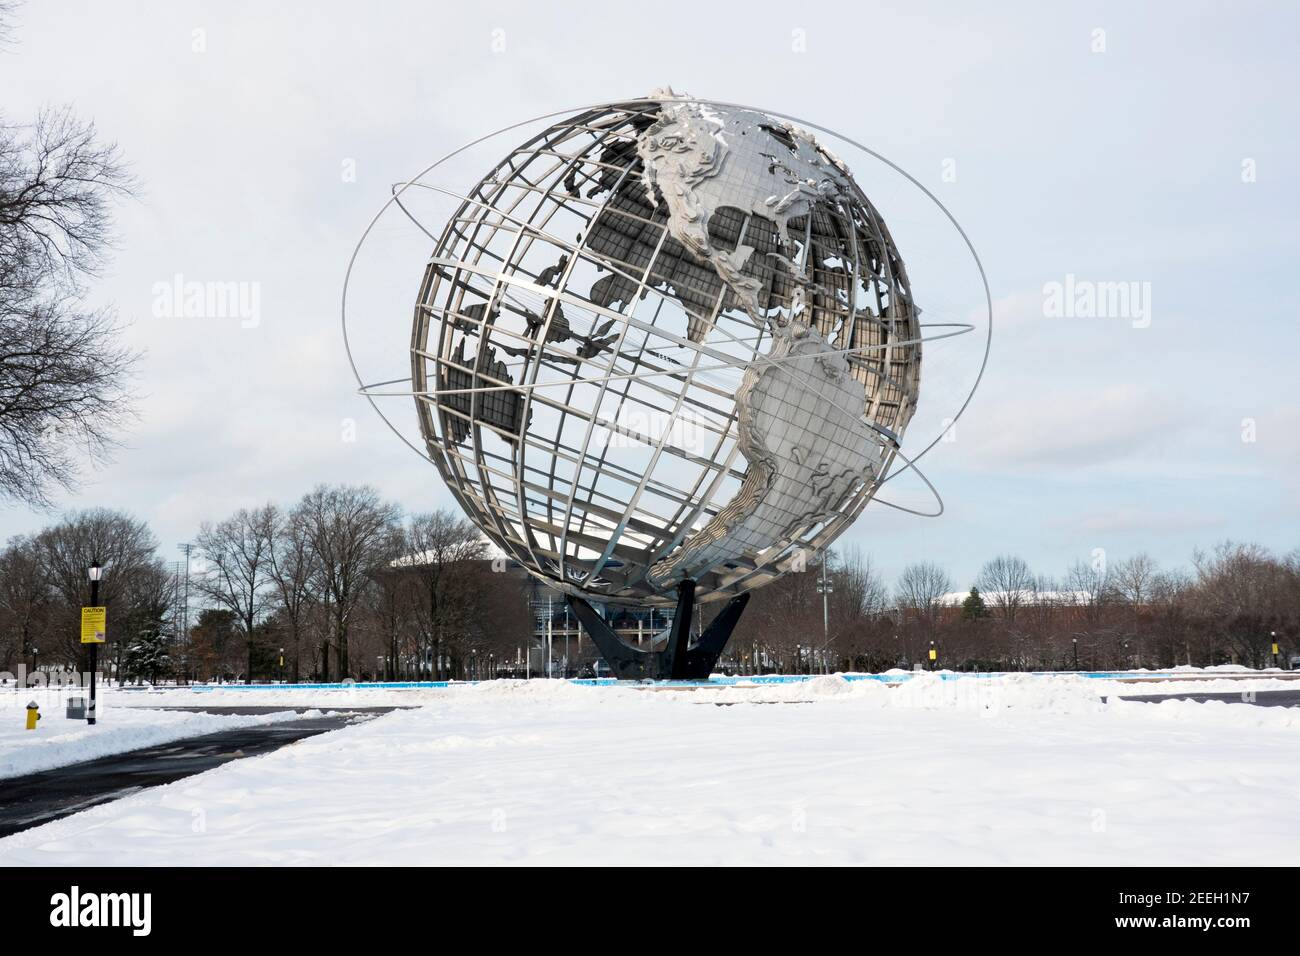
[[343, 584], [1231, 607], [340, 585]]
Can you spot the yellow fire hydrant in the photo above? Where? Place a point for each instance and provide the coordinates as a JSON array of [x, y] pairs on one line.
[[33, 715]]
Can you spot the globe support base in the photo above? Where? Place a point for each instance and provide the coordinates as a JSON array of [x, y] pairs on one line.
[[677, 660]]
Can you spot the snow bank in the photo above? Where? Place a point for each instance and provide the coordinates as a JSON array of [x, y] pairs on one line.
[[58, 741], [540, 689], [1216, 713], [553, 692], [1066, 694], [1209, 685], [219, 695]]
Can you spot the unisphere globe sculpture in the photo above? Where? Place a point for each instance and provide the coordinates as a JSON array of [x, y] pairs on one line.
[[665, 351]]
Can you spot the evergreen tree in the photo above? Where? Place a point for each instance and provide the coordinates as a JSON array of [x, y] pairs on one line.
[[973, 608], [149, 656]]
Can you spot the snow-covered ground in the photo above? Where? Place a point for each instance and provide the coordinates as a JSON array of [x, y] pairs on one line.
[[1134, 683], [1019, 769], [58, 741]]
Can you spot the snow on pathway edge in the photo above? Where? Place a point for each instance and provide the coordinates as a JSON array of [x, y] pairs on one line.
[[58, 742]]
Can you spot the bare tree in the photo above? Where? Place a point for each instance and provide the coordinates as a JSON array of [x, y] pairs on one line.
[[24, 599], [860, 590], [64, 372], [349, 528], [1090, 583], [43, 584], [293, 571], [858, 601], [1173, 630], [239, 550], [1092, 597], [440, 544], [1241, 590], [1007, 584], [780, 618], [124, 546], [393, 608], [920, 591], [8, 19], [1134, 579]]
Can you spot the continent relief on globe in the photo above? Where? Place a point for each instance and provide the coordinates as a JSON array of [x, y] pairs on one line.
[[799, 410]]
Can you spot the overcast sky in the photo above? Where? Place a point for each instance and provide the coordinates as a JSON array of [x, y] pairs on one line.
[[1152, 144]]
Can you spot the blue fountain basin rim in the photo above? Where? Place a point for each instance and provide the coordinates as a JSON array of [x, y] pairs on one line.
[[721, 680]]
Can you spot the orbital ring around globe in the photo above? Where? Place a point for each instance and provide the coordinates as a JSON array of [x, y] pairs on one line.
[[372, 390], [700, 223], [395, 199]]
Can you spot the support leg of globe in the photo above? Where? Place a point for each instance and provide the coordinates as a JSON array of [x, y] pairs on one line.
[[679, 659], [663, 353]]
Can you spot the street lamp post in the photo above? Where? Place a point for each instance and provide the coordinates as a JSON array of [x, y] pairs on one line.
[[188, 549], [1075, 641], [1272, 635], [95, 572], [825, 589]]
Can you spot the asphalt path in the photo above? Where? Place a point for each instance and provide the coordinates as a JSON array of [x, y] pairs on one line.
[[41, 797]]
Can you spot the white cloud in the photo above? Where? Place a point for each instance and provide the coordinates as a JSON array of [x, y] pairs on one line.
[[1084, 427]]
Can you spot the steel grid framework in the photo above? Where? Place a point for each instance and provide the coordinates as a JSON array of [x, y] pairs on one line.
[[593, 428]]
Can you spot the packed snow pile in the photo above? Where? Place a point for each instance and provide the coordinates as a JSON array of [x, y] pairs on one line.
[[829, 685], [1217, 713], [824, 687], [1257, 681], [541, 690], [1065, 694]]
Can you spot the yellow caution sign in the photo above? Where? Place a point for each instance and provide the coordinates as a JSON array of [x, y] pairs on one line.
[[934, 655], [94, 625], [1275, 650]]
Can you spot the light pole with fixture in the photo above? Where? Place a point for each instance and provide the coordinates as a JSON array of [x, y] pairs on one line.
[[93, 632], [825, 589]]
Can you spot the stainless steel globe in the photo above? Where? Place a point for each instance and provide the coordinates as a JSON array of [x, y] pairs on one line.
[[665, 341]]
